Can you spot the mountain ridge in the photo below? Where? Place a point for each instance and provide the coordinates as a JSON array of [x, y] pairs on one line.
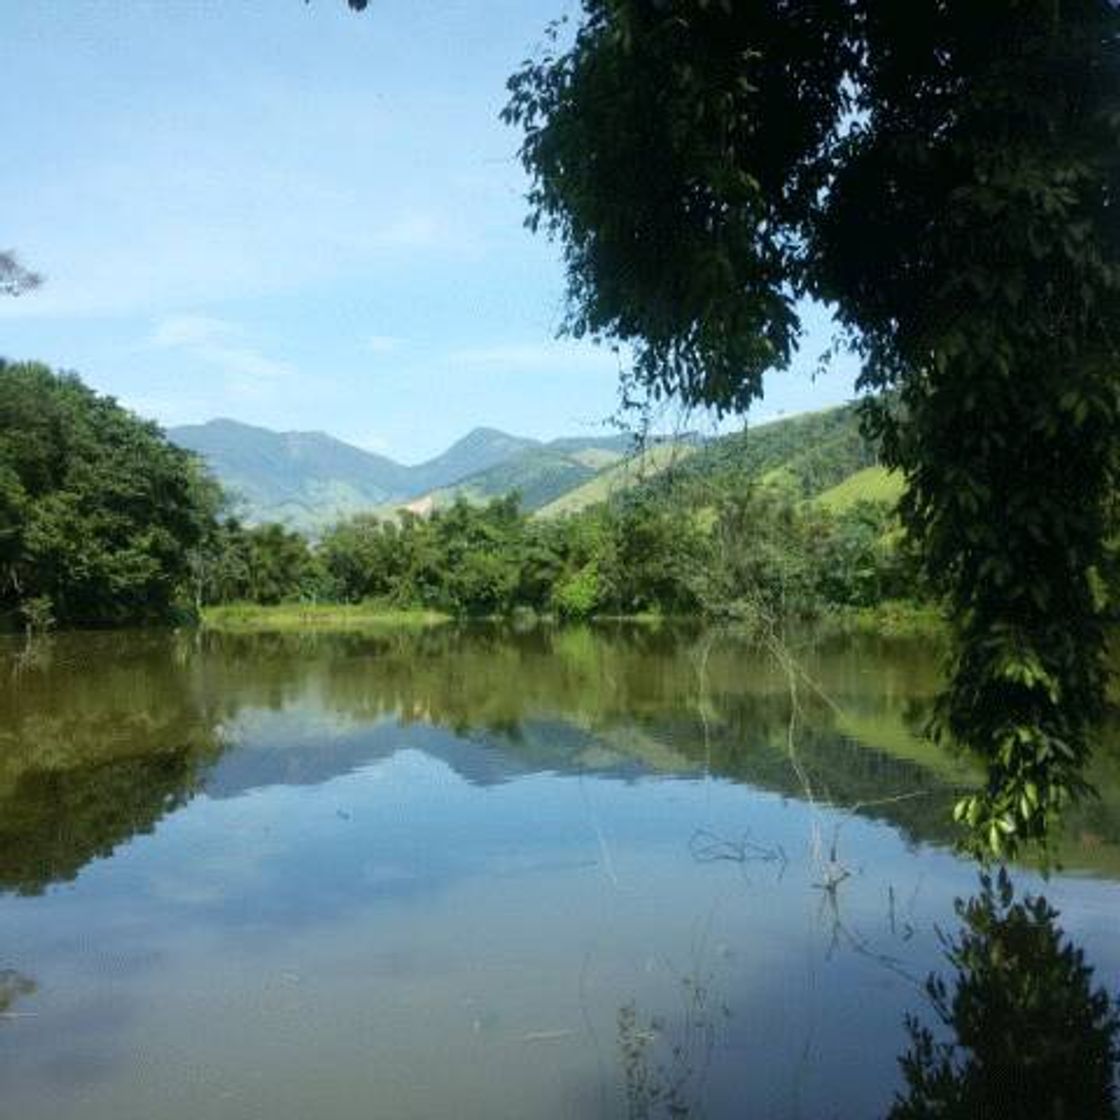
[[309, 479]]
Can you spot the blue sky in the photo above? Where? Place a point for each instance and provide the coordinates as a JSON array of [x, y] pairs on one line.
[[297, 217]]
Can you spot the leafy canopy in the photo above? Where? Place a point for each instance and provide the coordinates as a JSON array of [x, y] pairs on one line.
[[97, 510], [945, 174]]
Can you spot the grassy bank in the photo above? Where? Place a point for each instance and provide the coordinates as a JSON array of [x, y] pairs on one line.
[[893, 619], [890, 620], [324, 616]]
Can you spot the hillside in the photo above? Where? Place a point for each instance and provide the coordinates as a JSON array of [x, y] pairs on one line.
[[539, 475], [623, 475], [808, 453], [872, 484], [820, 456], [309, 480]]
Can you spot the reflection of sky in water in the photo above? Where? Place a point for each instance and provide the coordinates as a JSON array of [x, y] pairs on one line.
[[410, 924]]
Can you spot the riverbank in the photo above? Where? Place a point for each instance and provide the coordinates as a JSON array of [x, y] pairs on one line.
[[322, 616], [897, 619]]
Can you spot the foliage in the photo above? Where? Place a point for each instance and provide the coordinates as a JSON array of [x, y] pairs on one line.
[[98, 512], [15, 279], [664, 1068], [102, 521], [946, 174], [38, 614], [747, 550], [1033, 1039]]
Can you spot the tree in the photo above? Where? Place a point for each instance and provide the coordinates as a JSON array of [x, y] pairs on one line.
[[946, 175], [98, 512], [279, 564], [15, 280]]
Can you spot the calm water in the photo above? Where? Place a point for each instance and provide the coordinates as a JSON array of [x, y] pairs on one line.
[[452, 874]]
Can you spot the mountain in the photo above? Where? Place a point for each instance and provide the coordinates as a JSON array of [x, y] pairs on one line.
[[566, 474], [305, 479], [309, 480], [818, 456], [477, 451]]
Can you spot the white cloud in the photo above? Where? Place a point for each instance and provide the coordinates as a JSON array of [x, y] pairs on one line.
[[191, 330], [537, 357], [384, 344], [223, 344]]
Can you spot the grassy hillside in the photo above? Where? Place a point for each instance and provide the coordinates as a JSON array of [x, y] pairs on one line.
[[872, 484], [808, 456], [539, 476], [619, 476], [808, 453]]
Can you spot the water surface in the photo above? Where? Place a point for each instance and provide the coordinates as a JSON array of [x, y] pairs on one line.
[[465, 872]]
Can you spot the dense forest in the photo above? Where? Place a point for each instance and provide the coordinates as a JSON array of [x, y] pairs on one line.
[[99, 514], [103, 521]]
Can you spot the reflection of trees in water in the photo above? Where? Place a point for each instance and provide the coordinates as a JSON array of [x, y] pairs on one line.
[[1032, 1039], [98, 741], [101, 735], [665, 1065], [13, 986], [1023, 1033], [53, 822]]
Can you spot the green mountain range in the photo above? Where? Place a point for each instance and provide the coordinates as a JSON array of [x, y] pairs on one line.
[[309, 480]]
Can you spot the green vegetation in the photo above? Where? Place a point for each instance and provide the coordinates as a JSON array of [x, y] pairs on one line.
[[106, 523], [614, 478], [944, 174], [872, 484], [311, 616], [751, 553], [99, 514]]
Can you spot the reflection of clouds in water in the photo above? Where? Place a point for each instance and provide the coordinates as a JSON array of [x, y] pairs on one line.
[[227, 856], [77, 1069], [352, 894], [124, 959]]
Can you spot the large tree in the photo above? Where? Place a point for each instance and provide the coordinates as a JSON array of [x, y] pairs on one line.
[[98, 512], [945, 174]]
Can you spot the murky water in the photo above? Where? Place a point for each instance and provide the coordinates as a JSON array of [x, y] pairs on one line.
[[466, 873]]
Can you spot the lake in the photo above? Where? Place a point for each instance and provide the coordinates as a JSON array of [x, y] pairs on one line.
[[478, 873]]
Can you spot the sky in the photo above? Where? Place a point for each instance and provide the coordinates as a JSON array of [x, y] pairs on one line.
[[302, 218]]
